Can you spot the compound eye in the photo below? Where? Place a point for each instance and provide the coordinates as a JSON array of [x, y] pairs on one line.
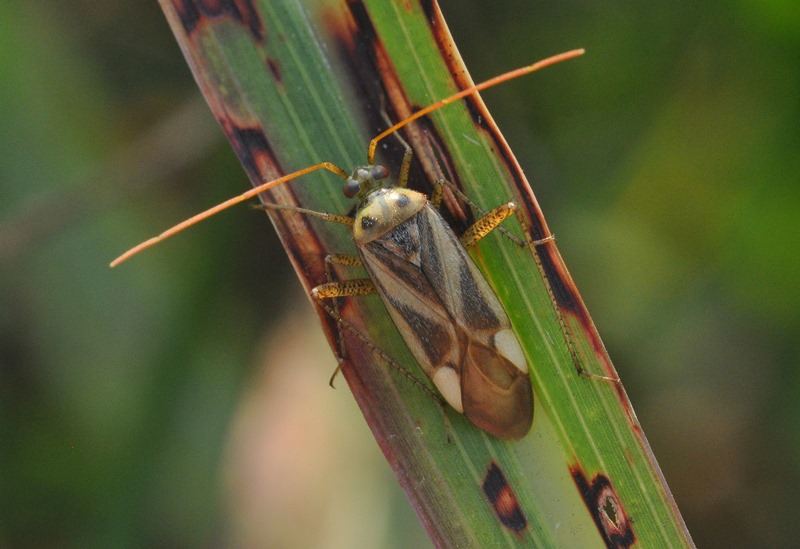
[[378, 172], [351, 188]]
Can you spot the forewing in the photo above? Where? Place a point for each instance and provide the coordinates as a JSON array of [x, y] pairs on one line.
[[496, 388], [415, 306], [452, 322]]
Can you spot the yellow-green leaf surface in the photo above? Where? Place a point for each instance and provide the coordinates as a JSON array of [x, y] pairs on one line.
[[293, 84]]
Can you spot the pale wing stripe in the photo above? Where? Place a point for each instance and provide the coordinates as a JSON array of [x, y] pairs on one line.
[[415, 308]]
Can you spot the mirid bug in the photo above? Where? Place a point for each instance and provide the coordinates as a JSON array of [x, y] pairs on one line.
[[445, 310]]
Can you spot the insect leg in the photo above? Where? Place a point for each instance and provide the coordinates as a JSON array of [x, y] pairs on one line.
[[533, 246], [436, 199], [330, 260], [358, 287], [344, 288], [350, 288], [365, 340], [334, 289], [325, 216], [333, 259], [486, 224], [405, 167]]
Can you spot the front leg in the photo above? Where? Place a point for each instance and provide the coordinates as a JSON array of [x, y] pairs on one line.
[[334, 289], [343, 288]]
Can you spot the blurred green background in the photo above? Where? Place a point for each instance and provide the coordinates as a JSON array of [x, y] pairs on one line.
[[182, 400]]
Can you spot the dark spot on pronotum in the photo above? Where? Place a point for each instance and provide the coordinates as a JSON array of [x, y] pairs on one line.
[[367, 222], [606, 509], [503, 500], [193, 13], [402, 201]]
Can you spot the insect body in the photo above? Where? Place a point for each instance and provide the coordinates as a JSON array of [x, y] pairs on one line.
[[441, 303]]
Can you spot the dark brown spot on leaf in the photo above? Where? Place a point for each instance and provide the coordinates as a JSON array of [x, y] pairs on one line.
[[503, 500], [195, 13], [188, 14], [274, 67], [606, 508], [252, 148]]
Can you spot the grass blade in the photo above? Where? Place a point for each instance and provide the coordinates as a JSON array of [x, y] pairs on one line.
[[292, 85]]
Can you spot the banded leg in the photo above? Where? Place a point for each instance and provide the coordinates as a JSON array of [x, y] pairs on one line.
[[333, 259], [405, 167], [353, 288], [356, 287], [334, 289], [492, 217], [486, 224], [329, 288], [343, 288]]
